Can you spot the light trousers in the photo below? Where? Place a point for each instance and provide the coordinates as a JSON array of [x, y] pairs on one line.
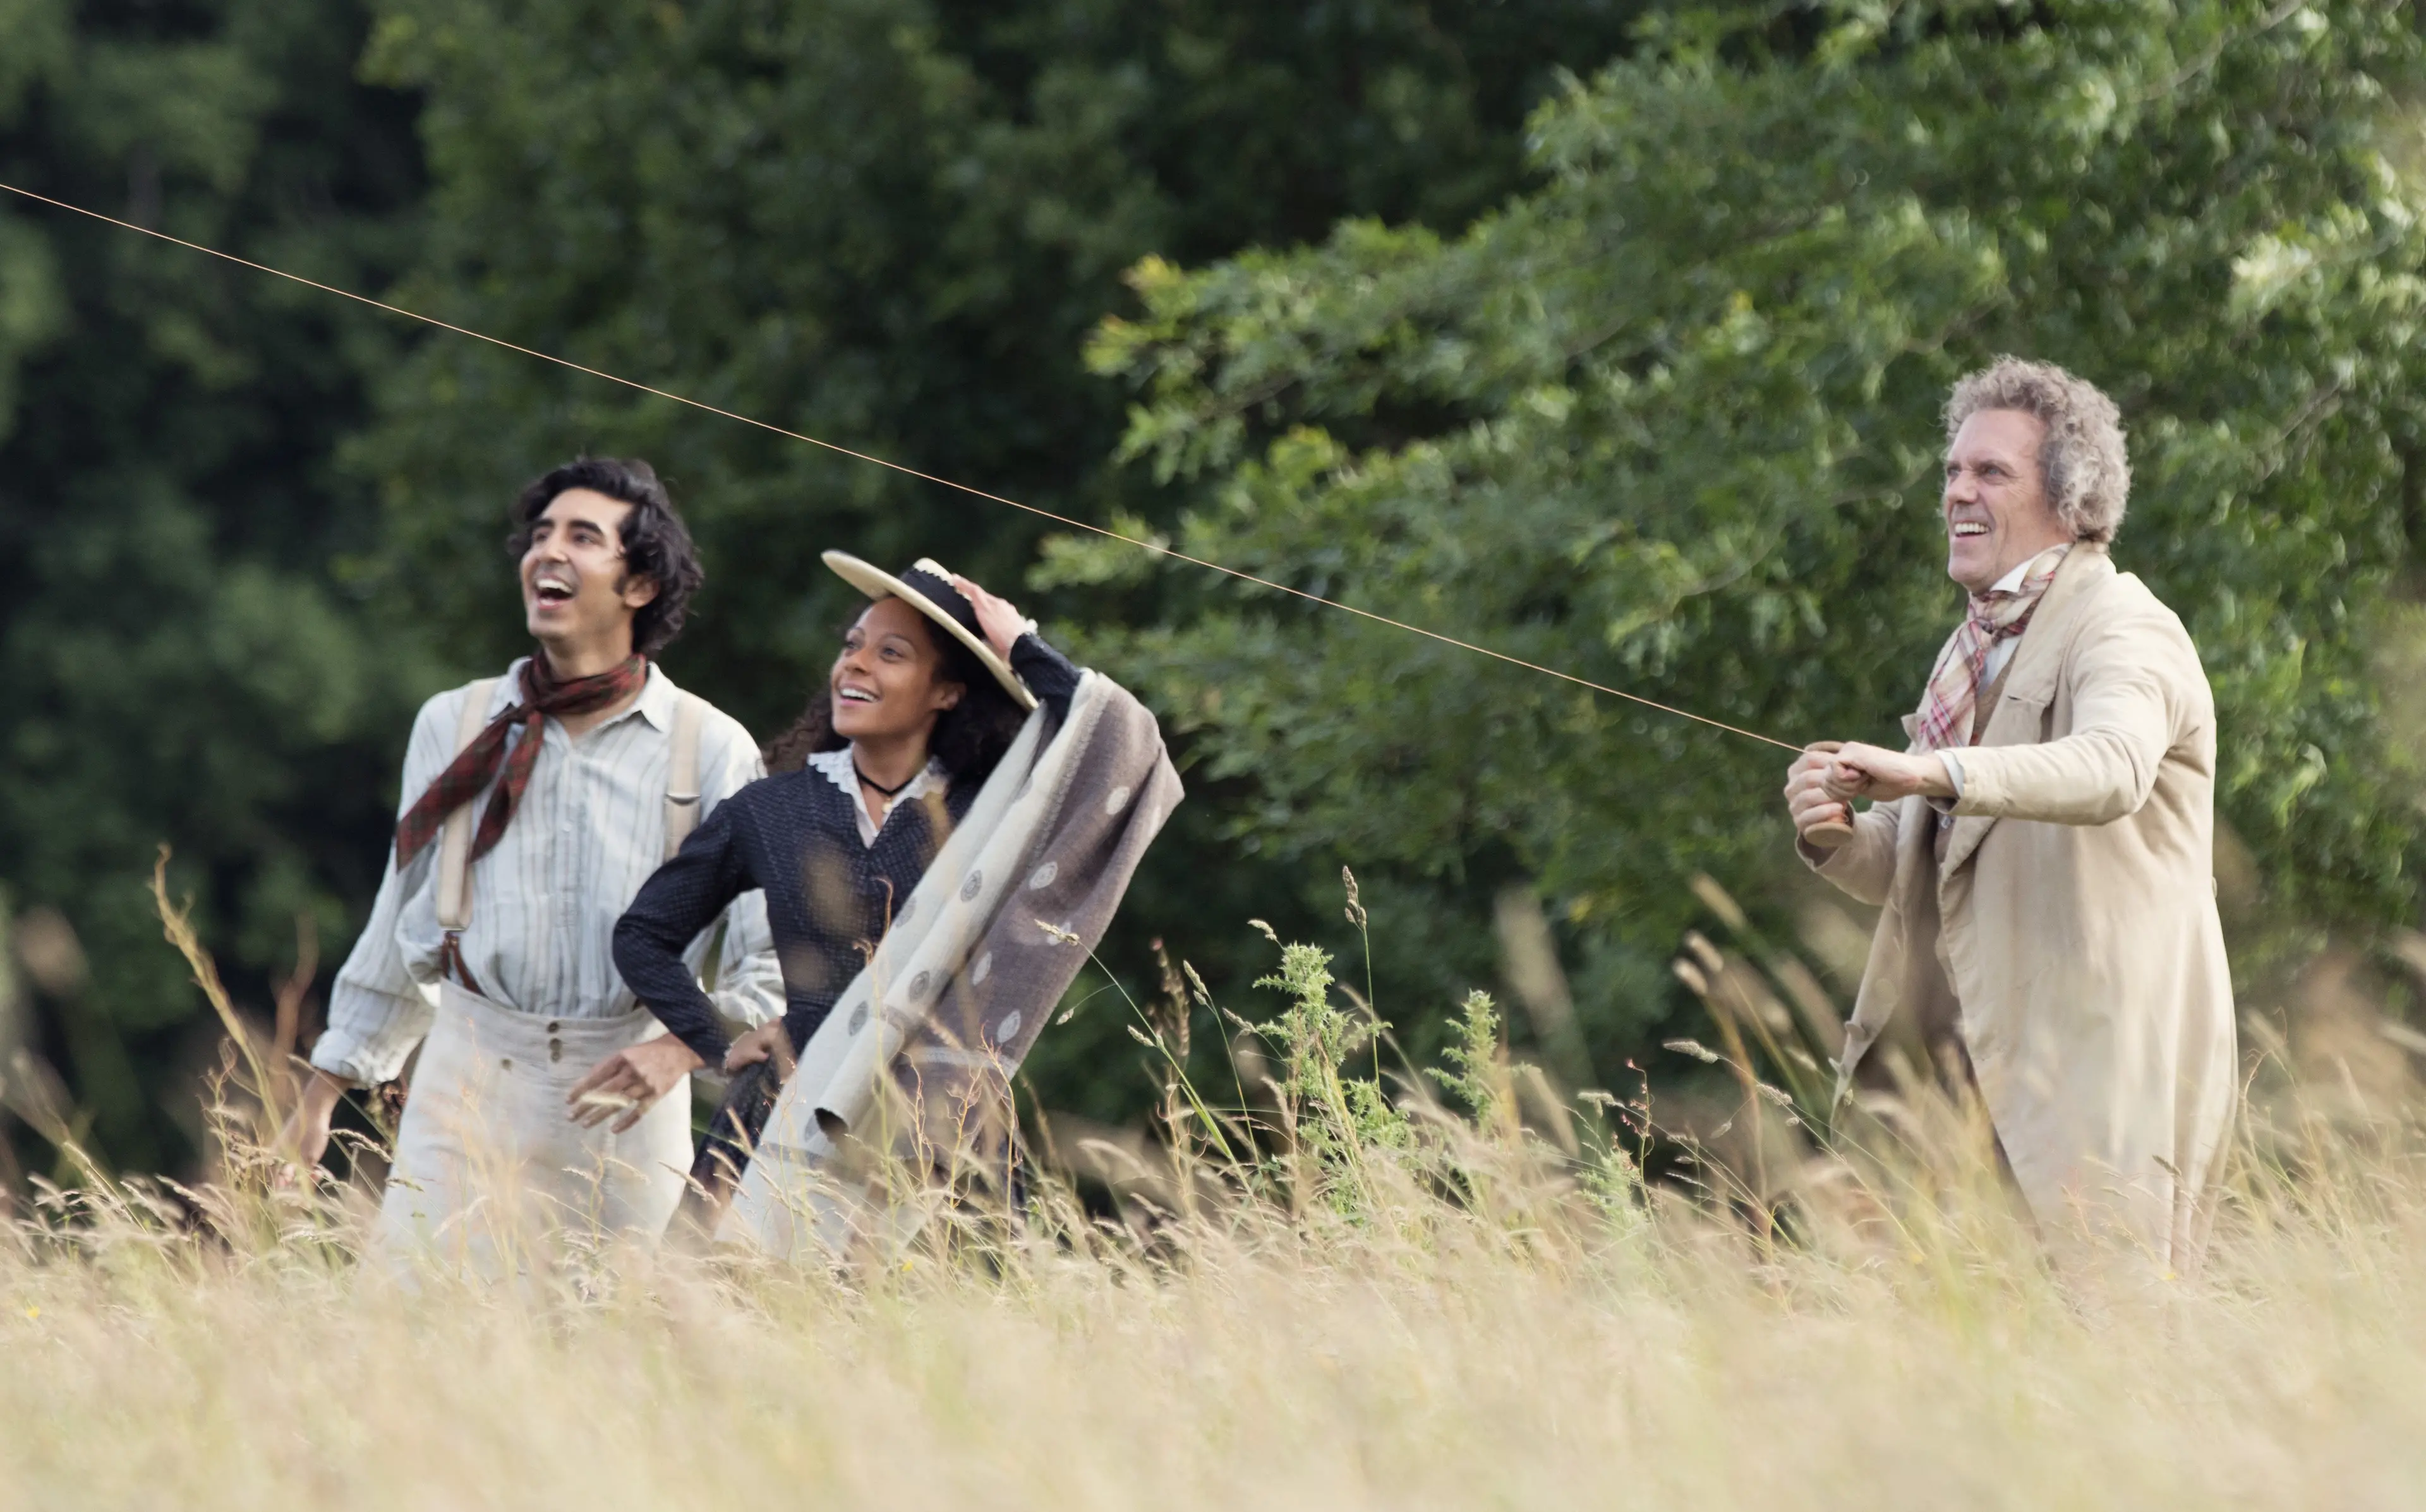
[[490, 1166]]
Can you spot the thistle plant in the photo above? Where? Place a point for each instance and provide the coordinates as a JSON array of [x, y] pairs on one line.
[[1335, 1120], [1481, 1079]]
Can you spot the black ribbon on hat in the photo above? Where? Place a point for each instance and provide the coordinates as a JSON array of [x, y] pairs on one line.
[[939, 591]]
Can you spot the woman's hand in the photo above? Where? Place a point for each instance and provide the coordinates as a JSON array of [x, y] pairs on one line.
[[769, 1038], [1001, 622]]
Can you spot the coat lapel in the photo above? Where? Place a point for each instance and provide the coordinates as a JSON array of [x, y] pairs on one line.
[[2030, 682]]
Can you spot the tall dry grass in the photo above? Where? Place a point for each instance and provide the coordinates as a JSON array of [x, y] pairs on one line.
[[1339, 1293]]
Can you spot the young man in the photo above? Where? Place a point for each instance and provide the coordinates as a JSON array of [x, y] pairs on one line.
[[534, 805]]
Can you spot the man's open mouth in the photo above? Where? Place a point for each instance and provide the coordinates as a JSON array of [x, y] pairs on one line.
[[551, 591], [1968, 527]]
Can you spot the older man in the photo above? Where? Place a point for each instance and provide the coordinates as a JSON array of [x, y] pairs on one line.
[[2043, 850]]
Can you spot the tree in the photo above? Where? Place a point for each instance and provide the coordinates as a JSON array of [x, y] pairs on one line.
[[1670, 422], [180, 655]]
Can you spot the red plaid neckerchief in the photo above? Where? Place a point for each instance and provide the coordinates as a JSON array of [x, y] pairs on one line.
[[478, 761], [1953, 696]]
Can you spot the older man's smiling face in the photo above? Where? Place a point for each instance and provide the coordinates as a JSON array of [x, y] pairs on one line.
[[1995, 504]]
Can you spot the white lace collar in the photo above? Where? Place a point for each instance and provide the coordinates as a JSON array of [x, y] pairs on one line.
[[836, 765]]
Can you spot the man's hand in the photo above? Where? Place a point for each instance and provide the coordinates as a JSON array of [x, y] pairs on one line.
[[305, 1137], [769, 1038], [1808, 800], [1883, 776], [630, 1081], [1002, 624]]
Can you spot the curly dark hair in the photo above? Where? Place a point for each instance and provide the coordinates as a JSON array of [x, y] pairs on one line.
[[656, 545], [970, 736]]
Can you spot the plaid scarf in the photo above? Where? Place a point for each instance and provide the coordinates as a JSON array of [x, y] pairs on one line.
[[2000, 614], [477, 763]]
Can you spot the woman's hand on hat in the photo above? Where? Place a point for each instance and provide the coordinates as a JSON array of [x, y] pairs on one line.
[[1002, 624]]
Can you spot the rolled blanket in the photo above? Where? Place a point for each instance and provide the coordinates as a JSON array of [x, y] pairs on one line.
[[973, 963]]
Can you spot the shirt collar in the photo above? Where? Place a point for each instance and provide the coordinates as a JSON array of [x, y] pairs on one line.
[[658, 696], [836, 765], [839, 770], [2013, 580], [508, 689]]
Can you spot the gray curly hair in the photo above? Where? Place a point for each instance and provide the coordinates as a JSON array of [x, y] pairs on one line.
[[2083, 464]]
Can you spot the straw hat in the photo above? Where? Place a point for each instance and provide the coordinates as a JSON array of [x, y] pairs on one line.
[[928, 589]]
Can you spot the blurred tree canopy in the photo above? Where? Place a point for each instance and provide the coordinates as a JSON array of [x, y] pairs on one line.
[[182, 658], [1670, 422], [1636, 377], [254, 523], [890, 225]]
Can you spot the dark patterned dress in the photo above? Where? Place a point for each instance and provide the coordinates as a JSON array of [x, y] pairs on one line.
[[830, 897]]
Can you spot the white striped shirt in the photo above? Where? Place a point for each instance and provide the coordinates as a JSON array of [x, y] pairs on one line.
[[588, 830]]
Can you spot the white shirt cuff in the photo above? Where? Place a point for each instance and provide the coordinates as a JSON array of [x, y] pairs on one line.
[[1953, 766], [370, 1034]]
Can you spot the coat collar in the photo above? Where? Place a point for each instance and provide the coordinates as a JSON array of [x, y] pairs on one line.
[[2030, 683], [2039, 659]]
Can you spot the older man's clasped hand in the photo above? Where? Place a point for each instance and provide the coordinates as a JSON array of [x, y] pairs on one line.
[[1821, 784]]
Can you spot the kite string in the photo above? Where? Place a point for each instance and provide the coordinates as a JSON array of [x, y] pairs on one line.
[[1155, 546]]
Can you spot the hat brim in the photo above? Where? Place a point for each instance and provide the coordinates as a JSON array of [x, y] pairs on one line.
[[878, 584]]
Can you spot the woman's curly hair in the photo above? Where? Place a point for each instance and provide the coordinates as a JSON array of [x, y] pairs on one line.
[[970, 736], [2083, 464]]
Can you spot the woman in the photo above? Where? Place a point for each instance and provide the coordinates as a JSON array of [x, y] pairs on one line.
[[934, 679]]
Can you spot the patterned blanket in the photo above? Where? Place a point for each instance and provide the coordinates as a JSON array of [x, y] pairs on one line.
[[916, 1056]]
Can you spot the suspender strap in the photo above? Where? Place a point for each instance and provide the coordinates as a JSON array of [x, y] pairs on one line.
[[682, 805], [455, 838], [455, 846], [681, 776]]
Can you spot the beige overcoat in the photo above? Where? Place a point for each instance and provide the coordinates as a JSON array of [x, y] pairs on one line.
[[2075, 917]]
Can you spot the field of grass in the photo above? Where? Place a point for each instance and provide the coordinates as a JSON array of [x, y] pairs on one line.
[[1388, 1304]]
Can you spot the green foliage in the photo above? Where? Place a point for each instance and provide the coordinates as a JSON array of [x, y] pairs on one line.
[[180, 656], [1336, 1123], [1670, 422], [888, 223], [1480, 1061], [1663, 417]]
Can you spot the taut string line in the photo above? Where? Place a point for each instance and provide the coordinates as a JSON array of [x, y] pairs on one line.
[[908, 472]]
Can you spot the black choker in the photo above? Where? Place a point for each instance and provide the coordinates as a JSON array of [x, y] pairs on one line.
[[881, 788]]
